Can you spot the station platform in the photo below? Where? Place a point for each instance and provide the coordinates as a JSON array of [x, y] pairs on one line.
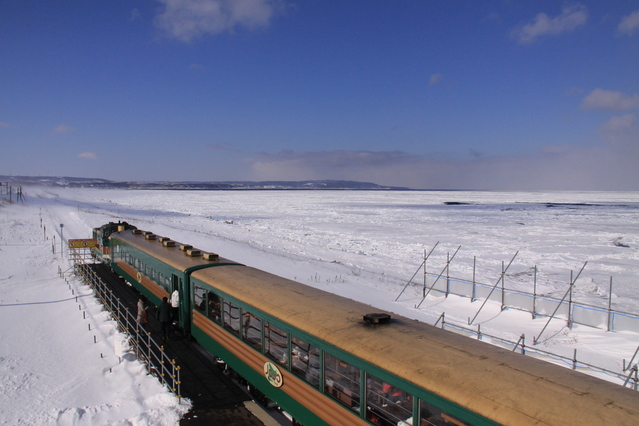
[[217, 400]]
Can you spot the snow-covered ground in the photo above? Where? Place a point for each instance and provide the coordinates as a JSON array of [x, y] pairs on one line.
[[363, 245], [57, 359]]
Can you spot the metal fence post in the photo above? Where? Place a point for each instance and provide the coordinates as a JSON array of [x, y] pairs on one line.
[[610, 306], [474, 294], [534, 307]]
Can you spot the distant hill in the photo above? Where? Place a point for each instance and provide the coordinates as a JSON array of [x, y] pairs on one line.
[[74, 182]]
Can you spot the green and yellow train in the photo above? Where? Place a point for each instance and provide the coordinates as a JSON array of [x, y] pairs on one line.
[[329, 360]]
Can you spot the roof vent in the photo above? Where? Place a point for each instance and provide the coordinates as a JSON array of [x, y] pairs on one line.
[[168, 243], [194, 252], [211, 256], [377, 318], [137, 232], [185, 247], [150, 236], [163, 239]]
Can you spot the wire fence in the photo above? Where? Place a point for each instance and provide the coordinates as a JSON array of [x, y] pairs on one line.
[[13, 193], [575, 312], [147, 349], [627, 377]]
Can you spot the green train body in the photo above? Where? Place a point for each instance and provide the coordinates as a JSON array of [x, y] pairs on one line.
[[314, 355]]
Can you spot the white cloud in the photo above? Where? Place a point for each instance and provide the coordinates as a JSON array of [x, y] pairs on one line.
[[611, 166], [190, 19], [629, 24], [608, 100], [621, 131], [88, 155], [570, 18], [435, 78], [346, 165], [61, 129]]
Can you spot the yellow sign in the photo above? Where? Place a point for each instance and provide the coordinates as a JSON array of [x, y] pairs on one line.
[[82, 243]]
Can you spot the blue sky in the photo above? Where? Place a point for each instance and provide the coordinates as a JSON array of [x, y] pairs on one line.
[[439, 94]]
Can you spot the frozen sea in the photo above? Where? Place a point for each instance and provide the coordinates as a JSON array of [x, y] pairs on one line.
[[381, 237], [366, 245]]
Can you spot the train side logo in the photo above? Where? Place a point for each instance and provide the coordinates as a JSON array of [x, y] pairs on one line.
[[273, 374]]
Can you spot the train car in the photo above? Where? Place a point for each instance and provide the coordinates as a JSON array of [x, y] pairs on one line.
[[101, 235], [156, 266], [328, 360]]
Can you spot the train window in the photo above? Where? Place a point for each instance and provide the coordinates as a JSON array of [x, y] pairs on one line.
[[305, 362], [387, 405], [431, 415], [153, 274], [199, 299], [213, 310], [276, 342], [231, 317], [341, 381], [252, 330], [137, 264]]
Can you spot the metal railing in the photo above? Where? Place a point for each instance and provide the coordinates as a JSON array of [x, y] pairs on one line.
[[147, 349]]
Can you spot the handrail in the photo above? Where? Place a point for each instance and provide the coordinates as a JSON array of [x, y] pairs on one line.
[[147, 349]]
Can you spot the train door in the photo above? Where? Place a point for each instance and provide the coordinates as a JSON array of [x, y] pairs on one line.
[[175, 286], [178, 283]]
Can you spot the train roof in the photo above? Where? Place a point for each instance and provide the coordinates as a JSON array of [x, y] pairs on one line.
[[171, 255], [496, 383]]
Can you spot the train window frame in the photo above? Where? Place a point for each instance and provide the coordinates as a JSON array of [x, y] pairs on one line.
[[213, 306], [280, 356], [199, 300], [302, 354], [338, 385], [249, 321], [229, 322], [387, 403]]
